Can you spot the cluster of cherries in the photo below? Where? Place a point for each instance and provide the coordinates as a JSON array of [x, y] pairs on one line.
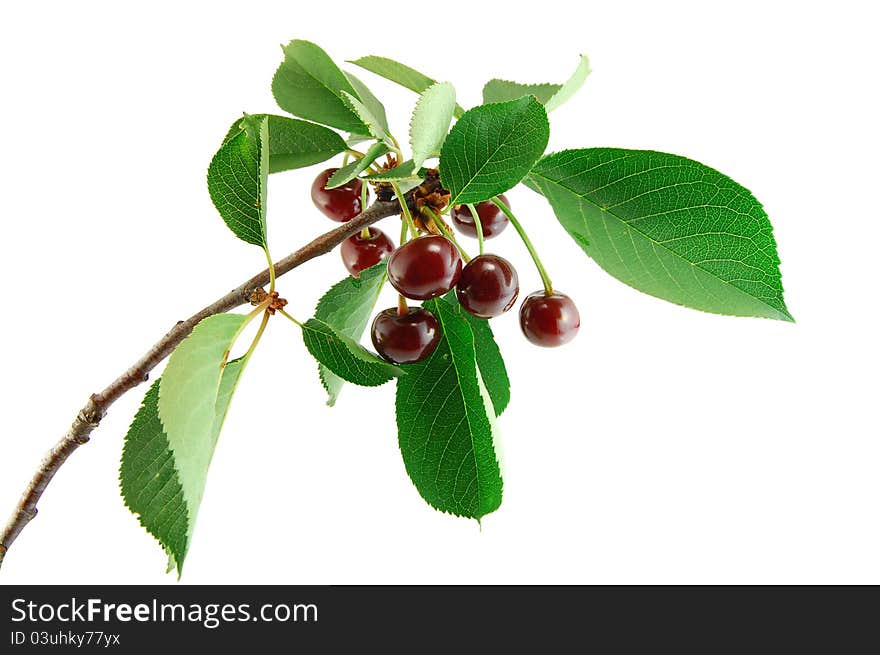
[[430, 266]]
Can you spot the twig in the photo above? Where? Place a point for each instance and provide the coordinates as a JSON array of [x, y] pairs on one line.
[[96, 408]]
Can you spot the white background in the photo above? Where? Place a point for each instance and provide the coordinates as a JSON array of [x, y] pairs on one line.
[[663, 445]]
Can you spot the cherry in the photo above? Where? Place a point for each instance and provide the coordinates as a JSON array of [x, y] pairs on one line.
[[549, 319], [425, 267], [492, 219], [488, 286], [359, 254], [340, 204], [405, 338]]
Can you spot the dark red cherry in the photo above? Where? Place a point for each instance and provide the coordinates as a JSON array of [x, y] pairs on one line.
[[549, 320], [492, 219], [340, 204], [425, 267], [488, 286], [359, 254], [405, 338]]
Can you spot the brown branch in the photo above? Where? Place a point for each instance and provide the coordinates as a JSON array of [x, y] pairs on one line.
[[96, 408]]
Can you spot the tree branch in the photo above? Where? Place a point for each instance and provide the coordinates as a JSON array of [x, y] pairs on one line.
[[95, 409]]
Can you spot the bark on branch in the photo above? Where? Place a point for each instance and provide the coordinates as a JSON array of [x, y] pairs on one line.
[[96, 408]]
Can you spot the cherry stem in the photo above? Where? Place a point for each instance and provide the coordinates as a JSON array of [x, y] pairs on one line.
[[402, 307], [478, 225], [446, 233], [545, 278], [405, 208], [365, 233], [355, 153]]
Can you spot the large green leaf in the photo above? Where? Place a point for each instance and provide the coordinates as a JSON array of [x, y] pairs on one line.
[[237, 180], [294, 143], [399, 74], [345, 357], [430, 121], [668, 226], [445, 424], [491, 148], [358, 166], [188, 396], [348, 307], [148, 475], [309, 85], [489, 359]]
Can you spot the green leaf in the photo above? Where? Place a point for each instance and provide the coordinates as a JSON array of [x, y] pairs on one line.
[[404, 171], [668, 226], [237, 180], [503, 90], [399, 74], [348, 307], [149, 482], [430, 121], [491, 148], [188, 396], [358, 166], [345, 357], [294, 143], [148, 475], [371, 102], [309, 85], [445, 424], [374, 125], [550, 95], [355, 139], [489, 359], [571, 86]]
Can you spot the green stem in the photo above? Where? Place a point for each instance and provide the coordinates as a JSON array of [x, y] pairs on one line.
[[355, 153], [258, 335], [397, 149], [548, 285], [271, 269], [405, 208], [261, 308], [365, 233], [445, 231], [288, 316], [478, 225]]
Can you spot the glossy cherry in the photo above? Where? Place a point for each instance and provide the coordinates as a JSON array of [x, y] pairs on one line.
[[359, 254], [405, 338], [488, 286], [492, 219], [340, 204], [549, 320], [425, 267]]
